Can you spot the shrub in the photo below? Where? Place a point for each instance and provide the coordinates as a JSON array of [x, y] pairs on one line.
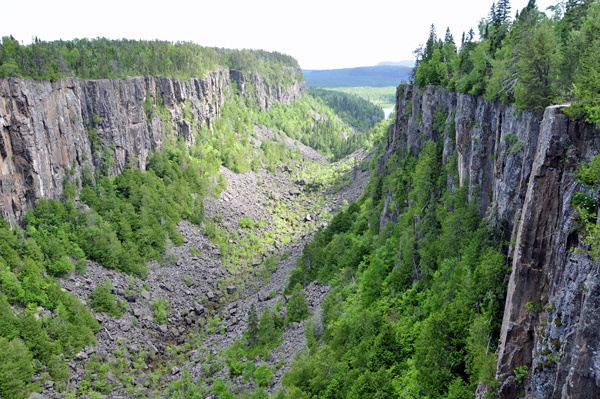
[[263, 375], [15, 368], [252, 331], [61, 266], [246, 223], [161, 308], [248, 372], [102, 300], [297, 307]]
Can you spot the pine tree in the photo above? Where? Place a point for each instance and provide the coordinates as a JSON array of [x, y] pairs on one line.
[[297, 307], [430, 45], [535, 66], [502, 11], [266, 328], [449, 38], [492, 14]]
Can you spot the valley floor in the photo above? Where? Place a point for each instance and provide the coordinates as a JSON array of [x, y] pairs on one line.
[[209, 296]]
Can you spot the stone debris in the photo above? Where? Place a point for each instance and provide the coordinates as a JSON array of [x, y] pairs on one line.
[[198, 286]]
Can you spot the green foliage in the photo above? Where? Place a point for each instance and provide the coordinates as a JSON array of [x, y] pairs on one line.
[[24, 340], [132, 218], [513, 145], [267, 331], [589, 173], [435, 60], [252, 331], [60, 267], [584, 46], [313, 123], [246, 223], [520, 373], [16, 371], [185, 388], [587, 205], [261, 335], [439, 118], [416, 307], [297, 307], [263, 375], [532, 61], [535, 68], [219, 387], [102, 58], [161, 308], [354, 110], [102, 300], [381, 96]]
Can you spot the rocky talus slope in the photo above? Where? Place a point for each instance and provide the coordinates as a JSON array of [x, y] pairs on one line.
[[523, 164], [46, 134], [201, 288], [45, 126]]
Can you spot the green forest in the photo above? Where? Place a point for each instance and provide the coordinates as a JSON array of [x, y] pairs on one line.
[[132, 219], [532, 61], [353, 109], [416, 305], [374, 76], [102, 58], [385, 97], [415, 308]]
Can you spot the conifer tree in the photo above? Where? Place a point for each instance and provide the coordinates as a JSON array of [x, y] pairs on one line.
[[297, 307], [266, 328], [449, 38]]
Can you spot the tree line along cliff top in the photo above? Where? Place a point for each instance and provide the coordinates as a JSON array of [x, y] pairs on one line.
[[102, 58], [532, 61]]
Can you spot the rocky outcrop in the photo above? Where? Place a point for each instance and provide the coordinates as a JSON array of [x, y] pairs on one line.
[[47, 128], [522, 163], [254, 87], [551, 320]]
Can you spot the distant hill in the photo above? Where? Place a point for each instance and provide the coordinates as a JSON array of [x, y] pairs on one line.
[[374, 76], [406, 63]]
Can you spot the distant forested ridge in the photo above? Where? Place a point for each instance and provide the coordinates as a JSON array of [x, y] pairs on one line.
[[532, 60], [379, 76], [406, 63], [109, 59], [356, 111]]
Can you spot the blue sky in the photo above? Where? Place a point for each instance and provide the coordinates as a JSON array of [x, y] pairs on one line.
[[320, 34]]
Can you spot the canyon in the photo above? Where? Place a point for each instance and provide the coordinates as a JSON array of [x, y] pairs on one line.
[[518, 165]]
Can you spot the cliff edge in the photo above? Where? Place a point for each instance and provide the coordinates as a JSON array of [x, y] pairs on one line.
[[49, 129], [522, 164]]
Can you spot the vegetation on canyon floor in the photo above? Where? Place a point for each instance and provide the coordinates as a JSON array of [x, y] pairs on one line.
[[131, 219]]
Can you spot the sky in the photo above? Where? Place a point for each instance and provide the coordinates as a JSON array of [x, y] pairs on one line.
[[320, 34]]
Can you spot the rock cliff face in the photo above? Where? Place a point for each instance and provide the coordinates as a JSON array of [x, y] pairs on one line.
[[49, 127], [523, 164], [253, 86]]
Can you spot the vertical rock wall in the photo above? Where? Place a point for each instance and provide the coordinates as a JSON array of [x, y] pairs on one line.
[[524, 163], [45, 126]]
